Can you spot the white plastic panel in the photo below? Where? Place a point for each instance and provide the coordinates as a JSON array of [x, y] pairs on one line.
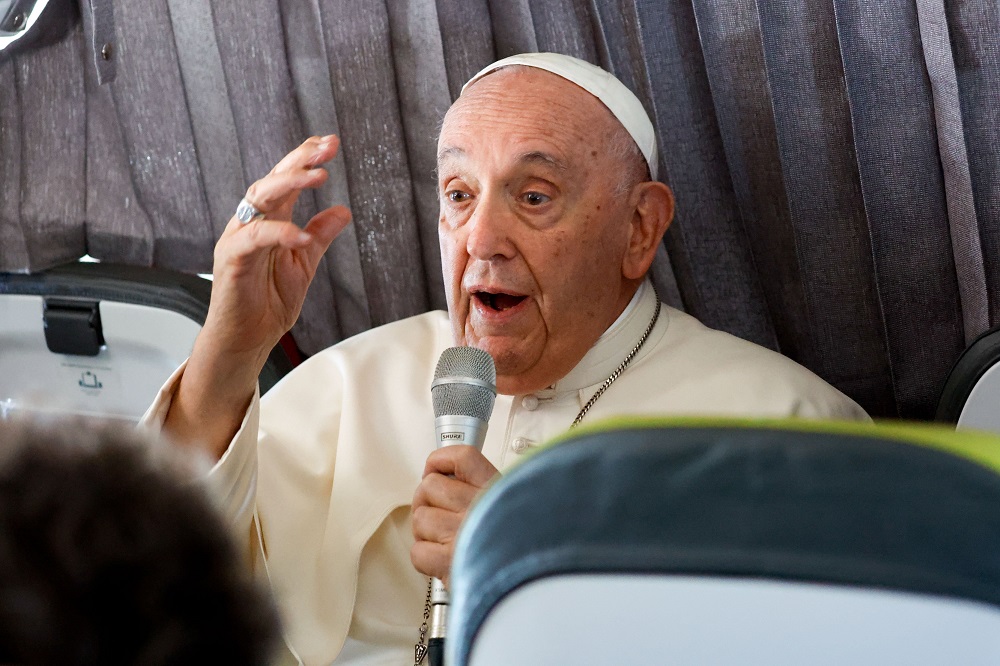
[[144, 345], [982, 409], [632, 619]]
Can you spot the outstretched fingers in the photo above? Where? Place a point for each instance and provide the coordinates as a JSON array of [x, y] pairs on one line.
[[309, 154], [276, 193], [323, 228], [259, 238]]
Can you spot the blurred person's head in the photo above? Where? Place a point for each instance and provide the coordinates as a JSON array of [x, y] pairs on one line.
[[108, 555]]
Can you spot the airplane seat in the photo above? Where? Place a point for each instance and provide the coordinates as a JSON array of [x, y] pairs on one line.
[[724, 542], [99, 340], [971, 394]]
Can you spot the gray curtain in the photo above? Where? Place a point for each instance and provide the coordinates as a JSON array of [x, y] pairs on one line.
[[835, 162]]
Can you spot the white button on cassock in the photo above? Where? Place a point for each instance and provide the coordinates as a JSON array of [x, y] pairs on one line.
[[530, 402], [521, 444]]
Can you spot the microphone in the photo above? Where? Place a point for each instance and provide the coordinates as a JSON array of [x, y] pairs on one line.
[[463, 391]]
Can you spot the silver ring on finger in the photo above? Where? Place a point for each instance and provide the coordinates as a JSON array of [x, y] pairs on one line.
[[246, 212]]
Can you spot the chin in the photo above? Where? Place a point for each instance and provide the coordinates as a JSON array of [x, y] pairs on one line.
[[512, 367], [507, 361]]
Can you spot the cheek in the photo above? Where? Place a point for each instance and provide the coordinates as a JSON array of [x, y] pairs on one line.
[[452, 253]]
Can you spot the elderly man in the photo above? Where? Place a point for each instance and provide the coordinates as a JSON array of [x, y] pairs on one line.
[[550, 218]]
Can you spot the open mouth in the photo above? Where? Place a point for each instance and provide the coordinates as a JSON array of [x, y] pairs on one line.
[[497, 302]]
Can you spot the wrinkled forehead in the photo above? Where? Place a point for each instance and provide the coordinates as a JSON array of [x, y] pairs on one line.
[[522, 103], [614, 95], [525, 89]]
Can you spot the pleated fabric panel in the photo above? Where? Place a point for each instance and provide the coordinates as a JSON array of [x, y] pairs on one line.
[[895, 138], [734, 60], [825, 208], [52, 207], [210, 105], [564, 26], [358, 38], [466, 39], [13, 245], [42, 140], [707, 242], [269, 122], [118, 228], [152, 112], [962, 221], [974, 32], [513, 27], [422, 85], [336, 306]]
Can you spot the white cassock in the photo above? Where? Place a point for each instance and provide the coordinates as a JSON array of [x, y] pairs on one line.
[[323, 468]]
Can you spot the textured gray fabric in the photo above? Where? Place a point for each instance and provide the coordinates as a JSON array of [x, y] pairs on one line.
[[117, 226], [563, 26], [974, 27], [422, 85], [51, 92], [357, 39], [13, 246], [706, 240], [335, 307], [466, 39], [268, 122], [152, 112], [252, 51], [895, 141], [209, 104], [824, 203], [513, 28], [734, 62], [955, 166]]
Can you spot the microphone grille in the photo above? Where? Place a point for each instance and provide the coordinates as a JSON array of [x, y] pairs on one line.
[[463, 399]]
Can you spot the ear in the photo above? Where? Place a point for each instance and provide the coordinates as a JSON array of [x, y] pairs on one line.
[[654, 210]]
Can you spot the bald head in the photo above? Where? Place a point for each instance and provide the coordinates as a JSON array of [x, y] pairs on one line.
[[620, 101], [611, 138]]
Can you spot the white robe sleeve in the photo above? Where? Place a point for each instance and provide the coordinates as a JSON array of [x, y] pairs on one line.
[[232, 481]]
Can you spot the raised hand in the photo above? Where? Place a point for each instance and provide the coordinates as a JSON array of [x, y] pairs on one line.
[[261, 274], [263, 269]]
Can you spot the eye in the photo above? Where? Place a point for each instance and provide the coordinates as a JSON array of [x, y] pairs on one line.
[[535, 198], [457, 196]]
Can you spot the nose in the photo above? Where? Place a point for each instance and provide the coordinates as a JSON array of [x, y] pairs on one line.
[[490, 229]]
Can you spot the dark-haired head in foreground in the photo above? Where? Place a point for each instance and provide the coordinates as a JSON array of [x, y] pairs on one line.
[[108, 557]]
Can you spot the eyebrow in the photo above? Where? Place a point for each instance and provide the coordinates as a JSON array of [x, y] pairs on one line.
[[530, 157], [537, 156], [451, 151]]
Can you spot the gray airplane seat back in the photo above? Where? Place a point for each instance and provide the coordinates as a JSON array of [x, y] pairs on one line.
[[99, 340], [971, 395], [713, 541]]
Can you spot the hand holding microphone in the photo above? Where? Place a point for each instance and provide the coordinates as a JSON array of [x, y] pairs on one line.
[[463, 393]]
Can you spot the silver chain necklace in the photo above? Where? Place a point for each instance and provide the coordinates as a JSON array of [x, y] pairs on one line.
[[621, 368], [420, 649]]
